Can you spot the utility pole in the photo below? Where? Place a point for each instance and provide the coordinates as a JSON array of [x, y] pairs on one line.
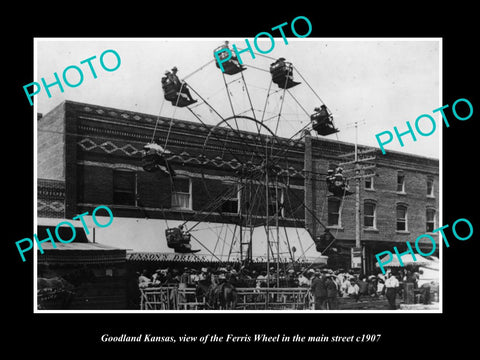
[[359, 170], [357, 194], [277, 210]]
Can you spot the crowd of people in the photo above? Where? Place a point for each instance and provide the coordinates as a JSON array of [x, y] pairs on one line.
[[326, 285], [347, 283]]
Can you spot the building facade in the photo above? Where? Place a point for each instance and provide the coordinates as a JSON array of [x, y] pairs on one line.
[[398, 201], [90, 155]]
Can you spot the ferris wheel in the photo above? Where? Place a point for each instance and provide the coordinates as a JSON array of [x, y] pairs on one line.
[[255, 118]]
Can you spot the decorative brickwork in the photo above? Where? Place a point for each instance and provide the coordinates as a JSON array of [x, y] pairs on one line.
[[51, 198], [83, 148]]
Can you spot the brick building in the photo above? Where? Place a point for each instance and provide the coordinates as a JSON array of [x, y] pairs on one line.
[[89, 155], [399, 203]]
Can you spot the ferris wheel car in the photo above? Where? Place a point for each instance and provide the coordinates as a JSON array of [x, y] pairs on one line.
[[153, 159], [331, 180], [231, 66], [282, 74], [179, 240], [322, 241], [322, 121], [175, 91], [337, 184]]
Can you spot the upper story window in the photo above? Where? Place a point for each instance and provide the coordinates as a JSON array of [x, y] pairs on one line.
[[276, 201], [334, 211], [369, 183], [430, 224], [402, 218], [182, 193], [400, 182], [369, 214], [124, 187], [230, 199]]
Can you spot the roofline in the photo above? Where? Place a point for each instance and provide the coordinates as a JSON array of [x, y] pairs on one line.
[[393, 152]]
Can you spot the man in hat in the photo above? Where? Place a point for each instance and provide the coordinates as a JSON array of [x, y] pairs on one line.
[[330, 180], [185, 277], [319, 290], [391, 285], [290, 278], [332, 291], [279, 71], [261, 280], [303, 280], [203, 284], [362, 287], [180, 85]]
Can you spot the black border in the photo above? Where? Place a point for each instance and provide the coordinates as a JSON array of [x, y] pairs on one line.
[[400, 332]]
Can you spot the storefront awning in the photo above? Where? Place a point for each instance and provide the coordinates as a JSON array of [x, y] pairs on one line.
[[407, 259], [145, 238]]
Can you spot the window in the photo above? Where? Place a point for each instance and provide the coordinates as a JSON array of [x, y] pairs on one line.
[[430, 187], [430, 220], [369, 214], [333, 212], [276, 199], [181, 193], [230, 202], [369, 180], [401, 218], [124, 187], [400, 182]]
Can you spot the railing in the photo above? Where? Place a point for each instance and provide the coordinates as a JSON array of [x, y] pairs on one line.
[[173, 298], [274, 299]]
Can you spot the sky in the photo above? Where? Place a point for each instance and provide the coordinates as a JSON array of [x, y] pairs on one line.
[[379, 83]]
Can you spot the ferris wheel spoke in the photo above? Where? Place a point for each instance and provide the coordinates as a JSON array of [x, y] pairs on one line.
[[258, 155], [249, 98], [228, 94]]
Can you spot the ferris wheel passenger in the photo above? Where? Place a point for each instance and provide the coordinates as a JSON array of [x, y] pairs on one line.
[[153, 159], [322, 121], [181, 85], [175, 90], [231, 66], [339, 177], [330, 180], [282, 73]]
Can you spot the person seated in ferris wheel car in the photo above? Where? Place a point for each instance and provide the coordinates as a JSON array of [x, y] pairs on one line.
[[322, 121], [153, 159], [179, 239], [282, 73], [331, 180], [323, 241], [231, 66], [175, 90], [340, 183], [185, 233]]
